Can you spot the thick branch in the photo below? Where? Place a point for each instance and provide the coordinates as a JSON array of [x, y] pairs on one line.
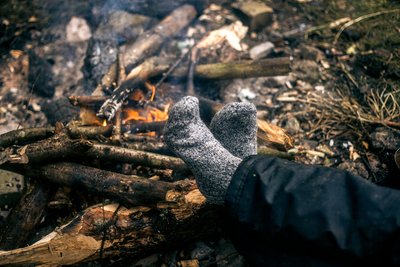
[[119, 154], [127, 189], [239, 69], [22, 136], [55, 148]]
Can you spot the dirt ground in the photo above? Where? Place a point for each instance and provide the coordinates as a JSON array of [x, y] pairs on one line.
[[340, 102]]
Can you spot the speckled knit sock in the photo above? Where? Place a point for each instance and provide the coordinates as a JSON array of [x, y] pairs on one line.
[[189, 138], [235, 127]]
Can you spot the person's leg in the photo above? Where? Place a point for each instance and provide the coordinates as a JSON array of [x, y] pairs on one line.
[[189, 138], [235, 127]]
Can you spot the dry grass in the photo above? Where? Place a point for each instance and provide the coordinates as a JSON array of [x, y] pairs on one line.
[[339, 111]]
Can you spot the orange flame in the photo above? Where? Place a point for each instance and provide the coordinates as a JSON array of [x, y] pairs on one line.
[[149, 114]]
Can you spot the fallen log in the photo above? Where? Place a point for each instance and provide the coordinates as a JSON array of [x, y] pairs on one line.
[[144, 127], [111, 230]]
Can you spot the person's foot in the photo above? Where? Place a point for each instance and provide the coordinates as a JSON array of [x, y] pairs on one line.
[[235, 127], [190, 139]]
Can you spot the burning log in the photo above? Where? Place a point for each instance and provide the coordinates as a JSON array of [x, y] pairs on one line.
[[157, 66], [111, 230]]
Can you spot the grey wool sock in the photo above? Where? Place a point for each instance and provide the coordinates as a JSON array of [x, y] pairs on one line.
[[235, 127], [190, 139]]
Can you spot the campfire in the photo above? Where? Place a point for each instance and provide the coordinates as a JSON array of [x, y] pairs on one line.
[[138, 197]]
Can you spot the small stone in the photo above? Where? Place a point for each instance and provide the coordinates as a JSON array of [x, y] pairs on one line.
[[246, 94], [78, 30], [35, 107], [261, 50], [255, 14]]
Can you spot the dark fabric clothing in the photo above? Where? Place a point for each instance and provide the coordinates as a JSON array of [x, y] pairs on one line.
[[289, 214]]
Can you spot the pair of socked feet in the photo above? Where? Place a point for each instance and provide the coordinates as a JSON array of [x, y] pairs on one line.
[[213, 154]]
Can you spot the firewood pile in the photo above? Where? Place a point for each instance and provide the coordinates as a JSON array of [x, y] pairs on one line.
[[140, 197]]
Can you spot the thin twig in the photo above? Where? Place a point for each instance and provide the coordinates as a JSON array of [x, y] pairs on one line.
[[361, 18]]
